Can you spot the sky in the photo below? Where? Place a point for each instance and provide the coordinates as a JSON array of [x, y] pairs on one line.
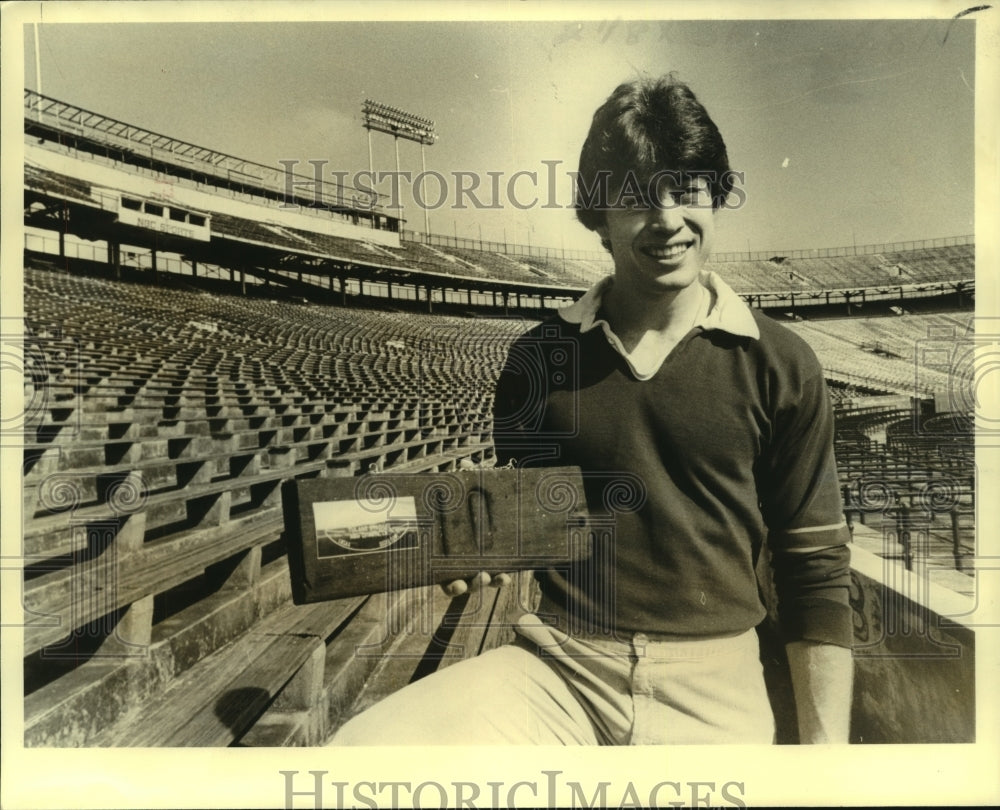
[[848, 131], [329, 515]]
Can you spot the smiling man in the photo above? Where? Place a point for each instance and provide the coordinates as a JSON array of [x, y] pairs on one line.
[[703, 430]]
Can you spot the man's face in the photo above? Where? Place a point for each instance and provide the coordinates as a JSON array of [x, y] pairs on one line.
[[661, 244]]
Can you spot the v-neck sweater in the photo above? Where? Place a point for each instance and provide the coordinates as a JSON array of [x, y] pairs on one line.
[[729, 441]]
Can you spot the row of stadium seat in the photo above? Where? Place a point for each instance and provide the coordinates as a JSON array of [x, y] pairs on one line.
[[924, 265], [901, 353], [908, 479]]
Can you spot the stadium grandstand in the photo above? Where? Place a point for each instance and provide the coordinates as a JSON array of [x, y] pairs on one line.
[[199, 329]]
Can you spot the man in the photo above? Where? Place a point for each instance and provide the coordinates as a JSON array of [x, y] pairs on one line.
[[702, 428]]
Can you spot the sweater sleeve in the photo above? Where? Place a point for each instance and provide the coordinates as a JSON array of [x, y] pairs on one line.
[[801, 504], [508, 421], [519, 433]]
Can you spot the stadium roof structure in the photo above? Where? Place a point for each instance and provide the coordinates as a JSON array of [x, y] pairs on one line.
[[47, 116]]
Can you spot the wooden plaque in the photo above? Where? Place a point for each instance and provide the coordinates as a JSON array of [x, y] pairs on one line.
[[383, 532]]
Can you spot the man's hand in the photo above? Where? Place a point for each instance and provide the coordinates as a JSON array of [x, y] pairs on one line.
[[480, 580], [821, 679]]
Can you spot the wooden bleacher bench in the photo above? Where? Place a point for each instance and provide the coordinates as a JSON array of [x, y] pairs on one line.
[[217, 700], [459, 628], [310, 668]]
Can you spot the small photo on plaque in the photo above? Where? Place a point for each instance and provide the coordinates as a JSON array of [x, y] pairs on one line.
[[352, 527]]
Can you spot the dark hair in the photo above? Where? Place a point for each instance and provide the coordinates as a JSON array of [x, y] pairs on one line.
[[648, 126]]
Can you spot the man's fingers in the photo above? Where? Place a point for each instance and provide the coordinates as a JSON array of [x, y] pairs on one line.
[[456, 588], [460, 586], [480, 580]]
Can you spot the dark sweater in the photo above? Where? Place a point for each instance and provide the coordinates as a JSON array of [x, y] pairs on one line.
[[729, 442]]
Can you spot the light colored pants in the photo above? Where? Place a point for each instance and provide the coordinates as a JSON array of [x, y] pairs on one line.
[[550, 689]]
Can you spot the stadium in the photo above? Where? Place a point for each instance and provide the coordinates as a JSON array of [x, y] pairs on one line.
[[201, 328]]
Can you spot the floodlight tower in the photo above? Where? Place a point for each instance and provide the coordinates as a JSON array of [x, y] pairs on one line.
[[399, 124]]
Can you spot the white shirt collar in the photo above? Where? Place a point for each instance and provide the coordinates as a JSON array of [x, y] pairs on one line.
[[726, 312]]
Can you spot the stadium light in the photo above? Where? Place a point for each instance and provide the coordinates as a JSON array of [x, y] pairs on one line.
[[399, 124]]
